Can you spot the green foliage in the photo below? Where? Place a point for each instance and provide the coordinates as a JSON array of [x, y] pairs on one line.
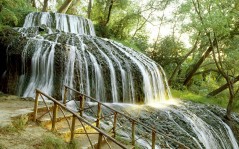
[[18, 124], [195, 97], [53, 142], [7, 129], [124, 21], [168, 52], [74, 144], [2, 146], [138, 43], [188, 95], [12, 13]]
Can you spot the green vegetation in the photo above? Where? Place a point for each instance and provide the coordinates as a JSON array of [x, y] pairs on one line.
[[2, 146], [8, 129], [12, 13], [18, 124], [53, 142], [195, 97]]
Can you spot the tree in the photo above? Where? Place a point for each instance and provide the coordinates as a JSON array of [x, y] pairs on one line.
[[45, 6], [74, 8], [89, 9], [183, 60], [169, 53], [121, 21], [64, 7], [223, 87], [225, 70], [12, 13], [196, 66], [217, 27], [33, 3]]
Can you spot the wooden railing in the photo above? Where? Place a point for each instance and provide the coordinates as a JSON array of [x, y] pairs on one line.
[[116, 113], [58, 105]]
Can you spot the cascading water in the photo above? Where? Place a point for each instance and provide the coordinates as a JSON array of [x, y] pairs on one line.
[[97, 67], [194, 125], [57, 49], [60, 22]]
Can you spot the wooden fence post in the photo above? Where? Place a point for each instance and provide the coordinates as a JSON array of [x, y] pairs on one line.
[[133, 133], [36, 106], [100, 140], [82, 102], [55, 109], [114, 125], [98, 115], [65, 95], [153, 139], [73, 127]]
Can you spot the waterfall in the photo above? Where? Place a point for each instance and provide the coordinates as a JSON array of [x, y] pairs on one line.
[[98, 80], [196, 126], [98, 67], [61, 22], [55, 49], [208, 129]]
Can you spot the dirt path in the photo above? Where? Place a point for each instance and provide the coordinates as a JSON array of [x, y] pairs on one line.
[[10, 138], [29, 138]]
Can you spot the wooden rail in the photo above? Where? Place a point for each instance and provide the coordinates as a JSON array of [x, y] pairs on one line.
[[75, 117], [133, 121]]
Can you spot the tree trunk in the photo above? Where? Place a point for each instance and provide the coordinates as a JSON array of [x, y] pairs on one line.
[[143, 24], [34, 3], [229, 108], [45, 6], [232, 95], [109, 12], [197, 65], [73, 7], [222, 88], [64, 6], [184, 58], [89, 9]]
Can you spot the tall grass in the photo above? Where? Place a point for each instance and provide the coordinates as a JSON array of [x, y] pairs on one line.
[[18, 124], [220, 100], [53, 142], [2, 146]]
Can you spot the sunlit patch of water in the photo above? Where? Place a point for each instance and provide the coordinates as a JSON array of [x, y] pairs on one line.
[[163, 103]]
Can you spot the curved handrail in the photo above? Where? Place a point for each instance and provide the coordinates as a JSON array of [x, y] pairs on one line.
[[74, 115]]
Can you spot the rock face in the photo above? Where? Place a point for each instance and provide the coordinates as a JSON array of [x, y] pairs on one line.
[[52, 50], [180, 125]]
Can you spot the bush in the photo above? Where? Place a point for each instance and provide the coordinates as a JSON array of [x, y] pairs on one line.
[[53, 142], [18, 124], [12, 13]]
